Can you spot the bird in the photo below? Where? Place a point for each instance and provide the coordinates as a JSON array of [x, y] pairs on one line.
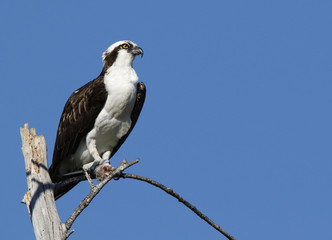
[[98, 117]]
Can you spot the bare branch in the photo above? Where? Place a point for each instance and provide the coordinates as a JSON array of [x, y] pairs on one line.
[[168, 190], [96, 189], [180, 199], [70, 233]]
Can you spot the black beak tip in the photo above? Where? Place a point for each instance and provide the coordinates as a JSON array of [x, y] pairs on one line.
[[141, 52]]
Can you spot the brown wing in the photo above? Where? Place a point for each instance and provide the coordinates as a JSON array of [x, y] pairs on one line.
[[140, 98], [77, 119]]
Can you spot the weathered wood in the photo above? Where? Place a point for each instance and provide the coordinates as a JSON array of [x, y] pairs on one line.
[[39, 198]]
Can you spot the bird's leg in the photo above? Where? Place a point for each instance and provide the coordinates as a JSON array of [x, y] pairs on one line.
[[101, 168], [107, 168], [97, 160], [91, 166], [107, 155]]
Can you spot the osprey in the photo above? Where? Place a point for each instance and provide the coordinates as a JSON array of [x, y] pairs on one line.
[[99, 116]]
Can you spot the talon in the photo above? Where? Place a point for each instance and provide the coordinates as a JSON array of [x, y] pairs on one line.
[[91, 167], [103, 171]]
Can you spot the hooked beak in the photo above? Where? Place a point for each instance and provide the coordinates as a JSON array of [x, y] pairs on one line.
[[137, 51]]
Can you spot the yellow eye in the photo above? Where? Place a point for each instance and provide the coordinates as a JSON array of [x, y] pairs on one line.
[[125, 46]]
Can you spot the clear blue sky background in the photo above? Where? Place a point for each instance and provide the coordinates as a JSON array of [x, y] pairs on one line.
[[237, 118]]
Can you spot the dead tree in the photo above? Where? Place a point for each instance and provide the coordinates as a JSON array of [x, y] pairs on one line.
[[39, 198], [40, 195]]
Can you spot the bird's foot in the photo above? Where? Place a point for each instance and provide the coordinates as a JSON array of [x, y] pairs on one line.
[[102, 171], [99, 168], [91, 167]]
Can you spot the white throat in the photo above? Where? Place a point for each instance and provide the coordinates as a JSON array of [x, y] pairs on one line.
[[121, 72], [120, 81], [119, 75], [124, 59]]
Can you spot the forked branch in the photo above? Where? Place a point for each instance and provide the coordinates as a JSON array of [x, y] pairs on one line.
[[96, 189], [168, 190]]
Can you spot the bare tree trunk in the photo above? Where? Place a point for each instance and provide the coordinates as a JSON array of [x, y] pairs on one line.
[[39, 198]]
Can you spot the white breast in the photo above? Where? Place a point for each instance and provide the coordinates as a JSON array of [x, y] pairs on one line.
[[114, 120]]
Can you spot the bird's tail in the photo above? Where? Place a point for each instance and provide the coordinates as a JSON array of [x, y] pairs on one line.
[[67, 182]]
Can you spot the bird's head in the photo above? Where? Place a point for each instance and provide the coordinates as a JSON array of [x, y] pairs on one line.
[[121, 53]]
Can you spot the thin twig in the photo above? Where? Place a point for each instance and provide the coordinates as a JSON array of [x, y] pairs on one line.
[[89, 178], [178, 197], [95, 190]]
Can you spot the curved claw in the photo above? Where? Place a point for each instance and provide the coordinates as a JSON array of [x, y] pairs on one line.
[[91, 167]]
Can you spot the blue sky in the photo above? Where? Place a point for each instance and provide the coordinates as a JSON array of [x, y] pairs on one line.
[[237, 117]]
